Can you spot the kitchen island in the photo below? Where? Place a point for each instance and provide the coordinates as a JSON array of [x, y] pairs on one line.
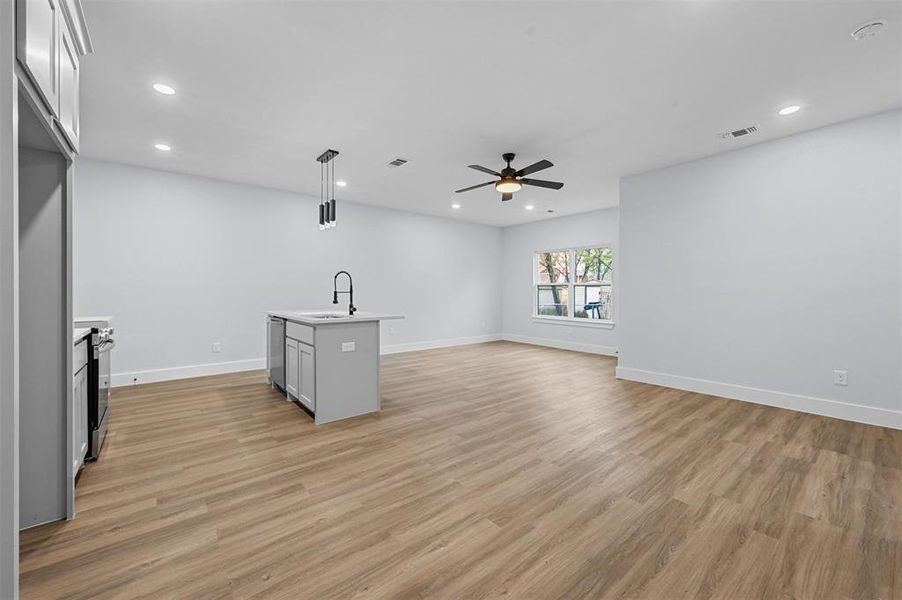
[[326, 361]]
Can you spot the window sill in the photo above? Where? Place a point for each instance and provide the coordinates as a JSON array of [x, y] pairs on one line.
[[577, 322]]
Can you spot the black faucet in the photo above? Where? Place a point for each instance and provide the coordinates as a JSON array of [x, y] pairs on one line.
[[335, 292]]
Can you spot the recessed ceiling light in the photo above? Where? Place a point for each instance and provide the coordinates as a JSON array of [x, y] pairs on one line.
[[788, 110], [529, 207], [166, 90], [455, 206], [341, 183], [163, 147]]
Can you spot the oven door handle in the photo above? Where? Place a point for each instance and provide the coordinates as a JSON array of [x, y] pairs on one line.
[[104, 347]]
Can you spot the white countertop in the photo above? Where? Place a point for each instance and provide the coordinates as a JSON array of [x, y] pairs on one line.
[[80, 332], [307, 317], [92, 319]]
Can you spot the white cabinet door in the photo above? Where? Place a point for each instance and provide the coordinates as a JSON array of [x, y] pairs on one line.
[[82, 448], [69, 75], [36, 45], [292, 368], [79, 418], [308, 376]]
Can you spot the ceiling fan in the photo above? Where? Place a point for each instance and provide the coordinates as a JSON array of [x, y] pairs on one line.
[[512, 180]]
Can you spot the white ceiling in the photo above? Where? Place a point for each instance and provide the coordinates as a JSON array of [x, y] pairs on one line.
[[601, 89]]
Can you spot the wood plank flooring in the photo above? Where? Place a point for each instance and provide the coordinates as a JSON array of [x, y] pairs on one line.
[[494, 470]]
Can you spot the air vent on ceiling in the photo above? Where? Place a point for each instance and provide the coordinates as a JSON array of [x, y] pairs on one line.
[[398, 162], [739, 132]]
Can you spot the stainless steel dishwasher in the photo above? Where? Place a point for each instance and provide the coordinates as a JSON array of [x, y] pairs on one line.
[[275, 352]]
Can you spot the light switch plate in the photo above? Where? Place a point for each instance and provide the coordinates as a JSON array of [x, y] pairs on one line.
[[348, 346]]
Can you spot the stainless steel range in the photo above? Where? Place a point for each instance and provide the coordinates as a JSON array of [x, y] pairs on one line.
[[102, 343]]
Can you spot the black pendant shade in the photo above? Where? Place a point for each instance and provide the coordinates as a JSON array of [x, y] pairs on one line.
[[326, 189]]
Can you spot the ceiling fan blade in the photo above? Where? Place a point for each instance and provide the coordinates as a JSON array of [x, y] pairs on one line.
[[542, 164], [506, 196], [485, 170], [473, 187], [553, 185]]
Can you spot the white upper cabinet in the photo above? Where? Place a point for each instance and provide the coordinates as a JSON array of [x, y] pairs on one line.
[[50, 39], [37, 37], [68, 86]]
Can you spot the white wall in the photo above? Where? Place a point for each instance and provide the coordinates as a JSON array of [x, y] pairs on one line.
[[183, 261], [754, 274], [9, 308], [520, 244], [45, 369]]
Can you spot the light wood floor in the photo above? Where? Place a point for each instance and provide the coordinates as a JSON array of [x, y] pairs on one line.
[[493, 470]]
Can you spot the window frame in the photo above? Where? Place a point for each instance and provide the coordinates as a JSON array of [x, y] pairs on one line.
[[571, 285]]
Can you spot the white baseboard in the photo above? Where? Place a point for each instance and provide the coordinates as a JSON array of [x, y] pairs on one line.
[[562, 344], [155, 375], [253, 364], [445, 343], [807, 404]]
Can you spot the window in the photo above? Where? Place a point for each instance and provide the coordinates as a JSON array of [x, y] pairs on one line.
[[553, 284], [575, 284]]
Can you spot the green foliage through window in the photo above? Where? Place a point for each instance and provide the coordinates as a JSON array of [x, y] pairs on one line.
[[575, 283], [554, 267], [594, 265]]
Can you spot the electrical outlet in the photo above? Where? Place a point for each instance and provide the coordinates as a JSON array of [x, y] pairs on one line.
[[840, 377], [391, 331], [348, 346], [217, 346]]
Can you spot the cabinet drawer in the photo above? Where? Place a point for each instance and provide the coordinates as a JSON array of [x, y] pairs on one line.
[[303, 333], [80, 356]]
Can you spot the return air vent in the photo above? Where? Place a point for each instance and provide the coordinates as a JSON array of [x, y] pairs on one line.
[[739, 132], [398, 162]]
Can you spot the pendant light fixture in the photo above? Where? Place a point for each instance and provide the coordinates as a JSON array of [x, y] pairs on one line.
[[327, 189], [332, 201], [322, 209]]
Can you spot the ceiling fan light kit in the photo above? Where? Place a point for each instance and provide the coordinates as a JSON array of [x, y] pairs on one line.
[[511, 180], [508, 185]]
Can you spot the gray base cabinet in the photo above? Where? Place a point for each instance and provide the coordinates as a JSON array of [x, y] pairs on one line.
[[300, 379], [307, 369], [79, 407], [332, 369], [292, 368]]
